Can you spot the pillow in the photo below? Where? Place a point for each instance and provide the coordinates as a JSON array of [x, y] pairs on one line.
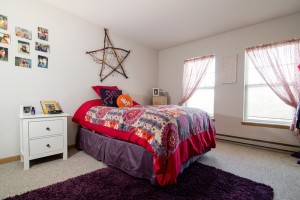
[[134, 103], [98, 87], [109, 97], [124, 100]]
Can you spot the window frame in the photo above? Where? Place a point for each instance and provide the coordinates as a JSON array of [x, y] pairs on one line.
[[268, 122]]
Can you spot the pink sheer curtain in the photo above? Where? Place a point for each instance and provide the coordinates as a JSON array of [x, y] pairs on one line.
[[277, 64], [193, 73]]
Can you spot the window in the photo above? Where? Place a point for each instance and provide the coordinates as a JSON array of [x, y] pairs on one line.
[[204, 96], [261, 102]]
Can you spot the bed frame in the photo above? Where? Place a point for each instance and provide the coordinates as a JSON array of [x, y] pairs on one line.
[[129, 157]]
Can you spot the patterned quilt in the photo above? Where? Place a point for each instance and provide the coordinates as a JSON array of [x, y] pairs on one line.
[[175, 133]]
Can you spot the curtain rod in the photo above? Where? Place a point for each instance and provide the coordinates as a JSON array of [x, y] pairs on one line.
[[197, 58], [293, 40]]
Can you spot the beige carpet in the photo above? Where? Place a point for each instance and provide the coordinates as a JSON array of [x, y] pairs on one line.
[[278, 170]]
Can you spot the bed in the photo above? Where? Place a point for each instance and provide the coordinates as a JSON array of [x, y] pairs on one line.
[[152, 142]]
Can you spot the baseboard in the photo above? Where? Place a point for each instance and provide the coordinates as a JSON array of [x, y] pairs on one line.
[[258, 143], [9, 159], [18, 157], [71, 146]]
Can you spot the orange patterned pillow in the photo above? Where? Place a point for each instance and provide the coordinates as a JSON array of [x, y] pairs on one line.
[[124, 100]]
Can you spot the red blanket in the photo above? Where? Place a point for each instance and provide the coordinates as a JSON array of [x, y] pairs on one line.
[[172, 133]]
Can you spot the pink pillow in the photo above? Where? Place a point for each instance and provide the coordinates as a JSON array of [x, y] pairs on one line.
[[98, 87]]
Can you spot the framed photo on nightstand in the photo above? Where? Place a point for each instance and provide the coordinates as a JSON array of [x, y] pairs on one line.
[[25, 110], [51, 107], [155, 91]]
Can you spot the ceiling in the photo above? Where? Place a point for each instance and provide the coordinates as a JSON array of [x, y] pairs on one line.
[[161, 24]]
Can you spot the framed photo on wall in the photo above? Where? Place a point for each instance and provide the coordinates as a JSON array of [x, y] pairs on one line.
[[42, 47], [4, 38], [3, 22], [155, 91], [23, 47], [3, 54], [22, 62], [23, 33], [42, 61], [42, 33]]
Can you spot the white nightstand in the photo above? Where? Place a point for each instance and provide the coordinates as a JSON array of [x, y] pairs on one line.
[[43, 135]]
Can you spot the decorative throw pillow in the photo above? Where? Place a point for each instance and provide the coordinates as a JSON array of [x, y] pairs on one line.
[[134, 103], [98, 87], [109, 97], [124, 100]]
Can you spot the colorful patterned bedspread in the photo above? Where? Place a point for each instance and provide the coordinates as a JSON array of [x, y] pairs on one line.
[[175, 133]]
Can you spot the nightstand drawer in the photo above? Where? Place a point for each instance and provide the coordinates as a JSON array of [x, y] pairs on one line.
[[160, 100], [45, 128], [45, 145]]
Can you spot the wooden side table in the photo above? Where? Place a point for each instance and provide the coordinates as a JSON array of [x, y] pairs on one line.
[[159, 100]]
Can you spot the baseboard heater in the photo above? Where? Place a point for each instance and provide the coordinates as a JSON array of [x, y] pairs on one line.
[[258, 143]]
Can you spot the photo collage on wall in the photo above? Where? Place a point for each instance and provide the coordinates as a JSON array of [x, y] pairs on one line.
[[23, 47], [43, 35], [23, 44], [4, 38]]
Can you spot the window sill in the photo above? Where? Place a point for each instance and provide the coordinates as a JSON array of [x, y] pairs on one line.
[[280, 126]]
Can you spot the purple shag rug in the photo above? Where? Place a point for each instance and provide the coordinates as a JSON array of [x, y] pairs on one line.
[[198, 181]]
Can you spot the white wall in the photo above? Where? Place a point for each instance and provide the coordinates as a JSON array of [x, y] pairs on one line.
[[229, 97], [71, 72]]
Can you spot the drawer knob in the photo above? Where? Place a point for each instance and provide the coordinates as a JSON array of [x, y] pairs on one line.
[[48, 145], [48, 129]]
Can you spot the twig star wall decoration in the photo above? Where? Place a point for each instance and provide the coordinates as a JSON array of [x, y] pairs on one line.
[[110, 58]]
